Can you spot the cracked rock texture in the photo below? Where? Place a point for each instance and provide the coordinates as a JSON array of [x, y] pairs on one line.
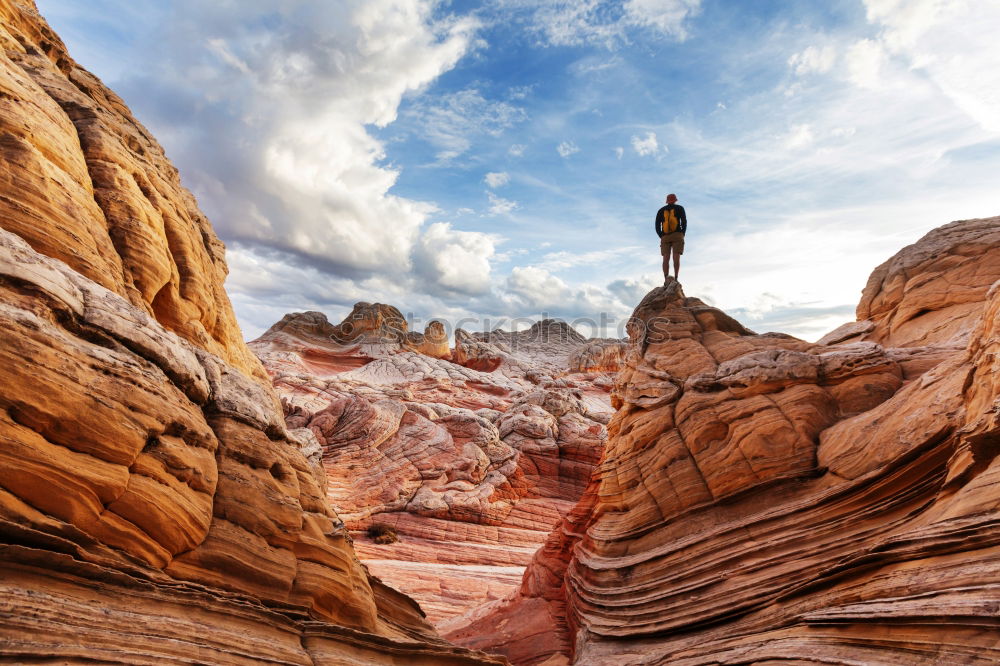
[[471, 462], [154, 508], [765, 500]]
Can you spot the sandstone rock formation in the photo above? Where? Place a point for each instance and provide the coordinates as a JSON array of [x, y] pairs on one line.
[[931, 292], [88, 185], [369, 332], [762, 499], [471, 463], [153, 506]]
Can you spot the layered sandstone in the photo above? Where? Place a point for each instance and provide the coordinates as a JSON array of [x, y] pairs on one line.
[[154, 507], [931, 292], [470, 462], [85, 183], [763, 499]]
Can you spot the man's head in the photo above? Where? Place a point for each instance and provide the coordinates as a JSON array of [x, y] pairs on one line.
[[671, 198]]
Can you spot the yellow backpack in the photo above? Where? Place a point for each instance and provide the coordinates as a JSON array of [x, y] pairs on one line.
[[669, 221]]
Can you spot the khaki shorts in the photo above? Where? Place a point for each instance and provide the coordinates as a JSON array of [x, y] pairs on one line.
[[676, 239]]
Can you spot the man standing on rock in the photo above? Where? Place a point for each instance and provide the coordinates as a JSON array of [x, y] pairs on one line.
[[671, 224]]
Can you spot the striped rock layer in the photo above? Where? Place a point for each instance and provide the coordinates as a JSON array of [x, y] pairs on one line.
[[764, 500], [154, 509], [470, 457]]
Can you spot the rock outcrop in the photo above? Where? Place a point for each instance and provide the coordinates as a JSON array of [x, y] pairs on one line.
[[154, 507], [931, 292], [471, 463], [369, 332], [763, 499]]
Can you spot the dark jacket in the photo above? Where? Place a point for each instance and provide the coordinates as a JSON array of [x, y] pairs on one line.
[[678, 210]]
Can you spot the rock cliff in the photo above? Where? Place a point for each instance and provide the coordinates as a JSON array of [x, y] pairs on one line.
[[470, 464], [763, 499], [153, 506]]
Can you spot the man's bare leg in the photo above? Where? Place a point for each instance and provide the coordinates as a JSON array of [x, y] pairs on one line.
[[677, 262], [666, 265]]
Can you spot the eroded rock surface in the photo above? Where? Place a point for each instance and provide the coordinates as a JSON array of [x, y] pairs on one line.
[[931, 292], [471, 462], [154, 508], [762, 499]]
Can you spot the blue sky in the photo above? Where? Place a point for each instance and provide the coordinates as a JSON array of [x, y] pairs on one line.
[[504, 158]]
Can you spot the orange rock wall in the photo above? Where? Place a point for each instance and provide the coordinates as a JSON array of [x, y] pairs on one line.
[[153, 507], [932, 291], [85, 183]]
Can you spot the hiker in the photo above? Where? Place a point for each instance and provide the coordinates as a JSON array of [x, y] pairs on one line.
[[671, 223]]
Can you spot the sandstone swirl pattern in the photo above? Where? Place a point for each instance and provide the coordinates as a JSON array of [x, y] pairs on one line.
[[154, 508], [472, 462], [762, 499]]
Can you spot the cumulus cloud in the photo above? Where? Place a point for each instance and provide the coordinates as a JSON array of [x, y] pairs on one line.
[[516, 150], [267, 107], [647, 145], [631, 290], [619, 152], [567, 148], [499, 205], [536, 286], [592, 309], [497, 178], [454, 260]]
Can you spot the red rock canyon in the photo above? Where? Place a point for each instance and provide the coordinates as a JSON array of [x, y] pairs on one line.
[[362, 493]]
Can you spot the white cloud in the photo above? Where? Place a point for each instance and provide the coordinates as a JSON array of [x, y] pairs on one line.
[[592, 309], [799, 136], [499, 205], [865, 60], [619, 152], [631, 290], [537, 287], [813, 60], [497, 178], [264, 287], [567, 148], [516, 150], [450, 122], [520, 92], [647, 145], [574, 23], [509, 255], [954, 42], [556, 261], [306, 80], [668, 16], [455, 260], [605, 23]]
